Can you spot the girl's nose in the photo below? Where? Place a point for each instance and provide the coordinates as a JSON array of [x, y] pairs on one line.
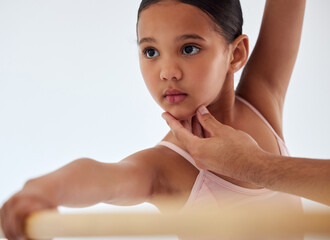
[[170, 71]]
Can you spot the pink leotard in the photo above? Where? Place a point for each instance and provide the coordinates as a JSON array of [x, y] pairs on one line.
[[214, 190]]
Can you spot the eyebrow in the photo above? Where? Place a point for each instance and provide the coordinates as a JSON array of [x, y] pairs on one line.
[[189, 36], [147, 40], [180, 38]]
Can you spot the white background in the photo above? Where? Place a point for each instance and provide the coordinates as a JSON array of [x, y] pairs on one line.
[[70, 86]]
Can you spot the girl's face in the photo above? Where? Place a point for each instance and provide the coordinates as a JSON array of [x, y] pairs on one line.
[[183, 60]]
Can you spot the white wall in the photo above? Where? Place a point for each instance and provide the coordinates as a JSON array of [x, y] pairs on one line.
[[70, 86]]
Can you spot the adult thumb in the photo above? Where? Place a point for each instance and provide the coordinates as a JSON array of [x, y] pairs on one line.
[[209, 123]]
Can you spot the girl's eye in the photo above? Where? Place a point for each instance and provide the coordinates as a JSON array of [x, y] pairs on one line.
[[190, 50], [151, 53]]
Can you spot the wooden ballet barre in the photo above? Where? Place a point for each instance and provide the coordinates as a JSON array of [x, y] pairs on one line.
[[231, 223]]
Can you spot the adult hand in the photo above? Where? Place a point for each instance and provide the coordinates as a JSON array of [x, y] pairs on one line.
[[217, 147]]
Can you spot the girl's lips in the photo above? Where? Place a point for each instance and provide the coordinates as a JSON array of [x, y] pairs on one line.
[[173, 92], [174, 96]]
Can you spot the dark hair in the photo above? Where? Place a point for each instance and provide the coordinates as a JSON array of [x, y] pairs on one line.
[[226, 14]]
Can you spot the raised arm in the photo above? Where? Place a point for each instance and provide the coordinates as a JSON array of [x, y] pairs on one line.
[[267, 74], [83, 182]]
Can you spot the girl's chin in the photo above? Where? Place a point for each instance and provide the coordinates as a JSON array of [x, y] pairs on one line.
[[182, 116]]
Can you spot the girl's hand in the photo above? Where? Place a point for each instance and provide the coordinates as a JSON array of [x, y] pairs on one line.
[[15, 211]]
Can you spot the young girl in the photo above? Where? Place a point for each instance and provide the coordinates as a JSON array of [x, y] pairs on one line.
[[189, 52]]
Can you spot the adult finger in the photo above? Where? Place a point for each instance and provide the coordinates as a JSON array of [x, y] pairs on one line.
[[180, 132], [208, 122], [186, 125], [196, 127]]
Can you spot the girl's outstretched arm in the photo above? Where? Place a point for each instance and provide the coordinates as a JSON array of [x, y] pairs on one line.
[[82, 182], [266, 76]]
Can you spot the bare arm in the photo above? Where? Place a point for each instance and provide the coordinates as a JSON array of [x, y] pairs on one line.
[[83, 182], [234, 153], [87, 182], [267, 74], [309, 178]]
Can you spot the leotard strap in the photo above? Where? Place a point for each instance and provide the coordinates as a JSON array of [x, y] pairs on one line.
[[179, 151]]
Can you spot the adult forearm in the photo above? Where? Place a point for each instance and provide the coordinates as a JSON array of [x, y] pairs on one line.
[[309, 178], [235, 154]]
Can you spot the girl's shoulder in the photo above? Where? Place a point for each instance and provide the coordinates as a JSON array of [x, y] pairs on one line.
[[171, 174]]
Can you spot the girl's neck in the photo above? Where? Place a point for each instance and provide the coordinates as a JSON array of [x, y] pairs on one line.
[[223, 109]]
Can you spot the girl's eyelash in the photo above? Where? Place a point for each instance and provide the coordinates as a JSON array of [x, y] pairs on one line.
[[155, 53], [191, 45], [145, 50]]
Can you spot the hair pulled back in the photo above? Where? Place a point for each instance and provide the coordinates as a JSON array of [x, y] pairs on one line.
[[226, 14]]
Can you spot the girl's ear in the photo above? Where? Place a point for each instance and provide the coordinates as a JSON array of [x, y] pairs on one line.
[[240, 53]]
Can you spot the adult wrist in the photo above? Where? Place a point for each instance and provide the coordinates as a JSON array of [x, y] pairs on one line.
[[257, 168]]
